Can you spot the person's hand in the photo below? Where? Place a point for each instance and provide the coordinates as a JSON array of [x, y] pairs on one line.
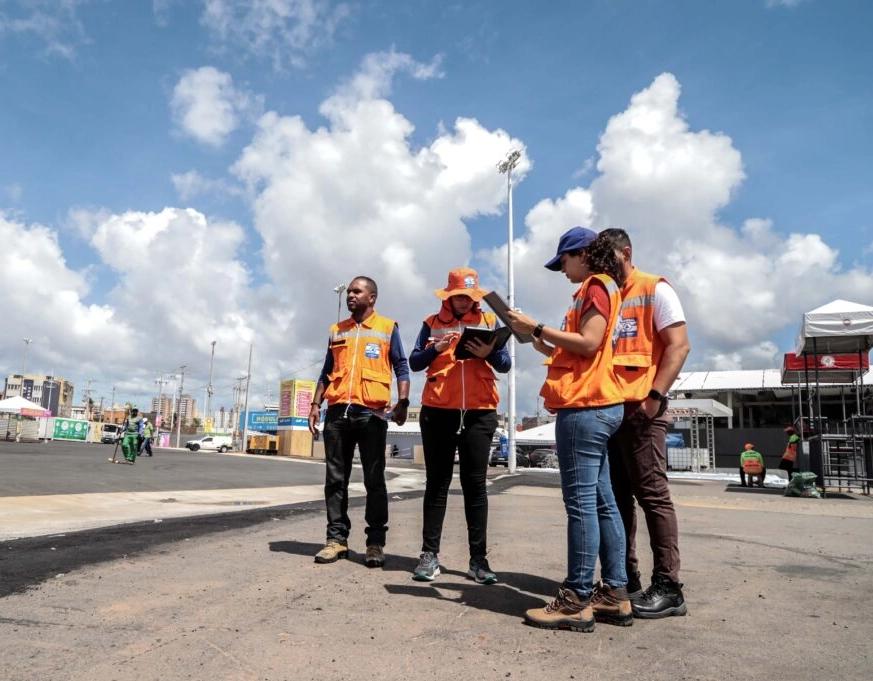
[[446, 341], [399, 411], [480, 349], [314, 418], [521, 323], [650, 407], [541, 346]]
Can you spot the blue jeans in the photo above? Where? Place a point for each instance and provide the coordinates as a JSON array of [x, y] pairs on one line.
[[594, 525]]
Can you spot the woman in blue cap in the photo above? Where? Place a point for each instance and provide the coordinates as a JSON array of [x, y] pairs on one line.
[[582, 391]]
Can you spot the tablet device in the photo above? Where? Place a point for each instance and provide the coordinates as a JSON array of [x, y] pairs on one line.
[[484, 334], [496, 303]]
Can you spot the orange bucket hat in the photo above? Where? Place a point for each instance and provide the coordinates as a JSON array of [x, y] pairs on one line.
[[463, 281]]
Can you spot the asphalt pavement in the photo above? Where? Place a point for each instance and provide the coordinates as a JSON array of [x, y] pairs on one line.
[[199, 566]]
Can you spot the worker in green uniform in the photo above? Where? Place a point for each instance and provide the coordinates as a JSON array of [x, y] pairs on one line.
[[131, 431], [752, 465]]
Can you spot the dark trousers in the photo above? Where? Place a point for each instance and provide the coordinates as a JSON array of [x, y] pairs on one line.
[[760, 476], [341, 434], [638, 470], [146, 446], [440, 437]]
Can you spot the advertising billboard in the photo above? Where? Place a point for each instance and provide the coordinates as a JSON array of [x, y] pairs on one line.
[[261, 421], [68, 429], [295, 399]]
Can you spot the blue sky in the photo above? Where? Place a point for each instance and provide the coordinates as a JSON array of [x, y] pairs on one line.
[[176, 172]]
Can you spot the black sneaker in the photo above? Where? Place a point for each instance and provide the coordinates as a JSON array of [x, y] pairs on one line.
[[428, 568], [480, 571], [663, 599]]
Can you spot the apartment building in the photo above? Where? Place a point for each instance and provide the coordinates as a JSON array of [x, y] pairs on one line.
[[52, 392]]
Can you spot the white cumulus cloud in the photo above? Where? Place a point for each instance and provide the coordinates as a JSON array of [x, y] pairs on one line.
[[207, 106], [285, 31]]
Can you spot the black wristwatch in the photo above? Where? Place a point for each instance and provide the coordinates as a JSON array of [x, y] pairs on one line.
[[403, 402], [655, 395], [538, 330]]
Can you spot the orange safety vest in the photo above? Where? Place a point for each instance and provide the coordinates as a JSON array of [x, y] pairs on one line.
[[791, 449], [751, 462], [574, 381], [361, 362], [639, 347], [459, 384]]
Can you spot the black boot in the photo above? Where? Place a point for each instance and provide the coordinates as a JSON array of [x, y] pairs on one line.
[[663, 599], [634, 586]]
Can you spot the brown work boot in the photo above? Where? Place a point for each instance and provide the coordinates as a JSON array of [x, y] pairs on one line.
[[333, 550], [612, 605], [375, 556], [567, 611]]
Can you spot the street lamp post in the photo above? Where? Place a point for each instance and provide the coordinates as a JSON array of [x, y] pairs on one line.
[[27, 342], [209, 387], [179, 419], [506, 166], [339, 299]]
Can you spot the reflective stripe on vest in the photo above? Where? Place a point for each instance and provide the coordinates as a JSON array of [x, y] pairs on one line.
[[639, 347], [361, 362], [459, 384], [575, 381], [751, 462]]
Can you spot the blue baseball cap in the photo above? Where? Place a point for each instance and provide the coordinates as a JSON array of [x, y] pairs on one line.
[[571, 240]]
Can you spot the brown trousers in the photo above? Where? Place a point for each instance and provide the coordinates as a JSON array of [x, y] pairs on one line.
[[638, 470]]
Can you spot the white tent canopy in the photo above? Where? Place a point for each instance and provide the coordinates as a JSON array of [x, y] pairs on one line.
[[838, 327], [15, 405], [543, 434]]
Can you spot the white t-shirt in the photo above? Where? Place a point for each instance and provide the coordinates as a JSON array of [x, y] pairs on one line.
[[668, 309]]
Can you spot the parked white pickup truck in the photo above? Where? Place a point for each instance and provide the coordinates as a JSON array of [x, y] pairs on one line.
[[215, 443]]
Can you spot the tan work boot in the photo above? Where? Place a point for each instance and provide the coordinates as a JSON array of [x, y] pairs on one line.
[[612, 605], [375, 556], [567, 611], [332, 551]]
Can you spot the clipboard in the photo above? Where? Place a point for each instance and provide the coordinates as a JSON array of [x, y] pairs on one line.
[[496, 303], [484, 334]]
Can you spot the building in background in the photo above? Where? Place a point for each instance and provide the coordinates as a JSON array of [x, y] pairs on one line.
[[164, 406], [224, 420], [186, 408], [53, 393]]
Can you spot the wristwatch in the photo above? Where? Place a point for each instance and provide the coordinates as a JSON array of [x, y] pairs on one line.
[[538, 330], [655, 395], [403, 402]]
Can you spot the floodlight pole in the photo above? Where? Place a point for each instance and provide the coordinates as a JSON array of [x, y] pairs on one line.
[[27, 342], [339, 300], [506, 166]]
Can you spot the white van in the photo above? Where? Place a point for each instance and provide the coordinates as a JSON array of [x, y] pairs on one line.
[[110, 434], [214, 443]]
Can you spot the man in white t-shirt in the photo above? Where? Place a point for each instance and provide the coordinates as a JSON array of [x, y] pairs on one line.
[[650, 350]]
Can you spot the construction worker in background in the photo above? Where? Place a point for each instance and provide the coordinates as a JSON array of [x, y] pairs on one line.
[[131, 431], [752, 464], [789, 458], [147, 430]]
